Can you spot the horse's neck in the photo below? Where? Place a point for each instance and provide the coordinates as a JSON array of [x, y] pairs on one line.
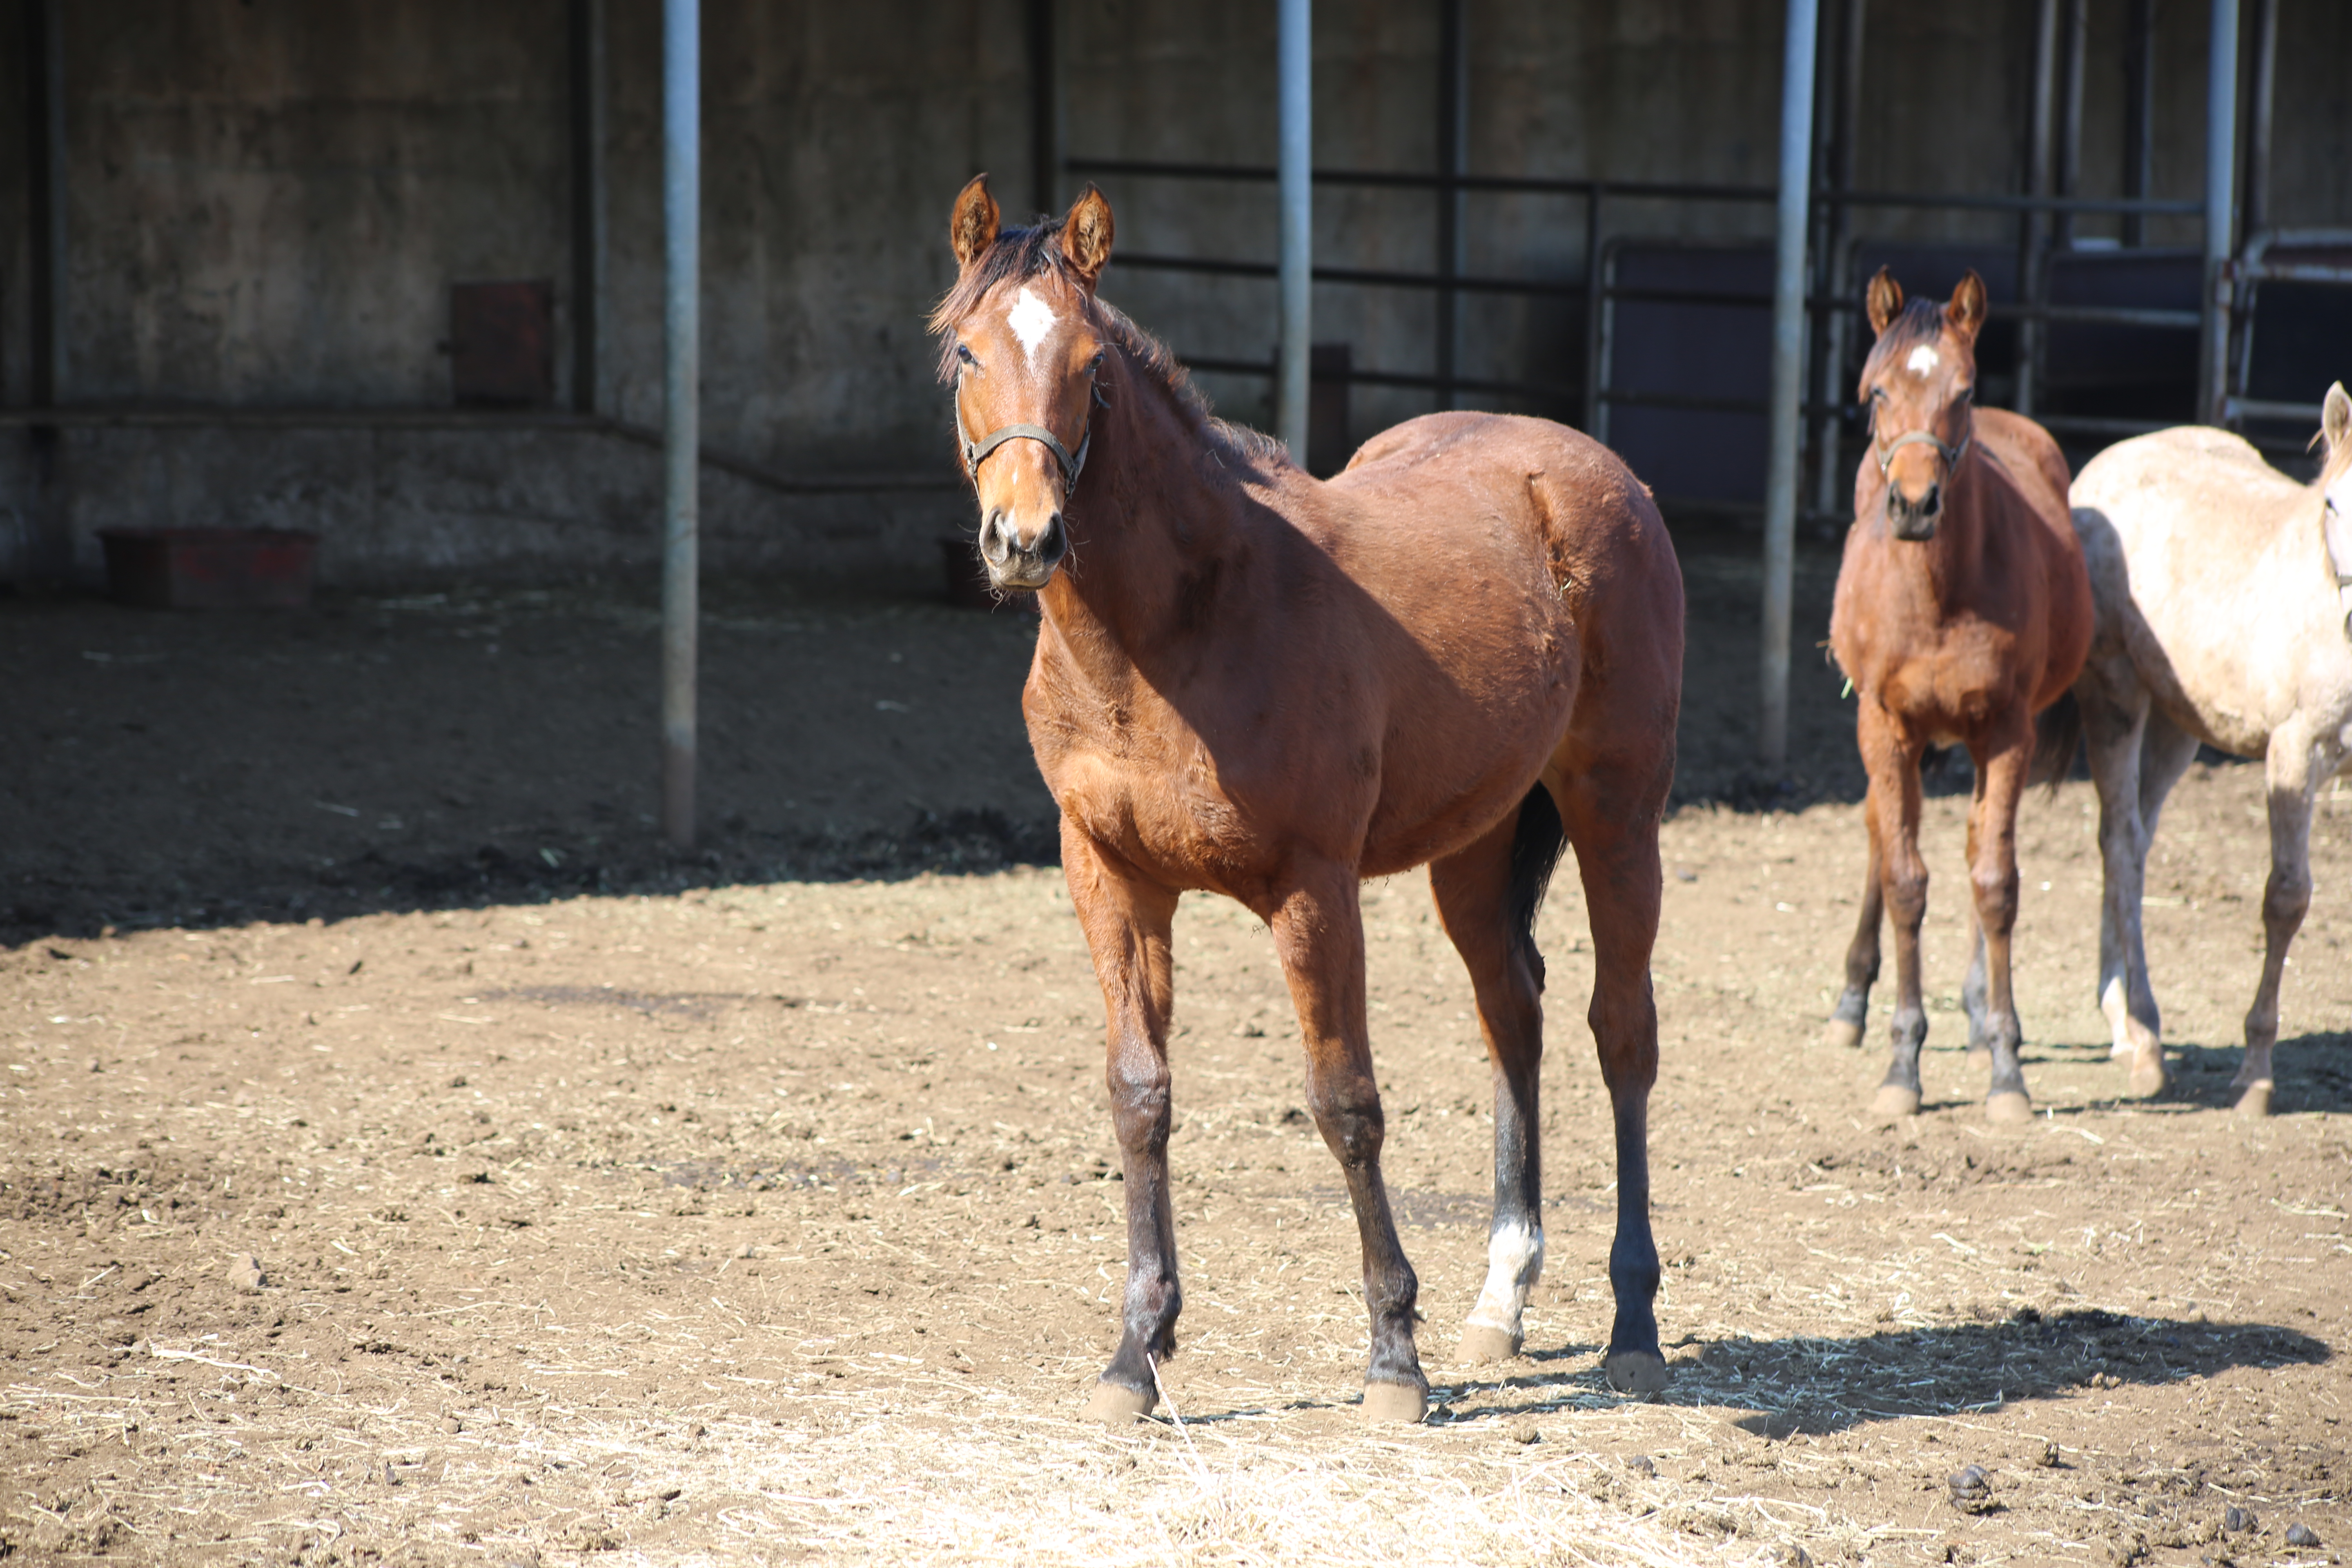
[[1155, 519]]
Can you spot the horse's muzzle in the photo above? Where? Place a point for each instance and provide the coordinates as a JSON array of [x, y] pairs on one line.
[[1913, 520], [1015, 563]]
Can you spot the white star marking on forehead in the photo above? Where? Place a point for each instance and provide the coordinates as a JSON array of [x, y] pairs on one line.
[[1032, 320], [1922, 359]]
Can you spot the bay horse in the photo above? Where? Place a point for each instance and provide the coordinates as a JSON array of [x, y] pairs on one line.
[[1962, 612], [1462, 649], [2223, 588]]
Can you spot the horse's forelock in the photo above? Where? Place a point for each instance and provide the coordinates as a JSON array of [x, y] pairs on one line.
[[1017, 253], [1921, 321]]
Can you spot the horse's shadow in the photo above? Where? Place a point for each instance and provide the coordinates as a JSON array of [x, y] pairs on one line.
[[2314, 1074], [1819, 1384]]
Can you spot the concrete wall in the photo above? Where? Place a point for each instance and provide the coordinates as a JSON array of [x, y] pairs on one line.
[[269, 200]]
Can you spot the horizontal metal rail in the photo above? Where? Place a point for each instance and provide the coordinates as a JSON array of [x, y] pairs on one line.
[[1518, 184], [1367, 275], [101, 416]]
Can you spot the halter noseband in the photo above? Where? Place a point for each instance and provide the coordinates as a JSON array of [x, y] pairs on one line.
[[1952, 455], [1071, 465]]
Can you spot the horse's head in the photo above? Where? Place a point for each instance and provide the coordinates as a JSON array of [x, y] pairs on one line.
[[1919, 382], [1020, 343], [2336, 486]]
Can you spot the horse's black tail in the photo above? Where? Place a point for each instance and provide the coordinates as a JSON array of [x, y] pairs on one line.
[[2057, 736], [1536, 844]]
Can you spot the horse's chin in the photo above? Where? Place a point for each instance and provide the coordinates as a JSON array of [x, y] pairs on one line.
[[1018, 577], [1912, 530]]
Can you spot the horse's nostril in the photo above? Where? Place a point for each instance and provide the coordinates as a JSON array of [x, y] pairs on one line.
[[1933, 501], [1053, 542]]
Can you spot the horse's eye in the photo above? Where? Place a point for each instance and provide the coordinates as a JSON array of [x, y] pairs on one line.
[[965, 354], [1095, 363], [1962, 394]]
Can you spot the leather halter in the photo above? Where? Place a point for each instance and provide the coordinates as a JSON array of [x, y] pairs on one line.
[[1072, 465], [1952, 455]]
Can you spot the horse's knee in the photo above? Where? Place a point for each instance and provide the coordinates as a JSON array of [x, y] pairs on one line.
[[1627, 1034], [1995, 888], [1347, 1109], [1907, 894], [2287, 897], [1139, 1101]]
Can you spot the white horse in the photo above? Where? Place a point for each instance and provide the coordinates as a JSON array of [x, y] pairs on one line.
[[2225, 594]]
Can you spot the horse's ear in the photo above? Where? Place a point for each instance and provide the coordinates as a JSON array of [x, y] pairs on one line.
[[1085, 235], [1885, 300], [2336, 419], [972, 229], [1966, 314]]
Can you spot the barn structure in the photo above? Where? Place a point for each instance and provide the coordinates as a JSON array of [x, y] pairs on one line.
[[394, 273]]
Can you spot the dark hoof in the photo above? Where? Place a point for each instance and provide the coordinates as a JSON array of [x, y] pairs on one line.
[[1387, 1402], [1893, 1102], [1844, 1036], [1116, 1405], [1637, 1372], [1484, 1342], [2008, 1109]]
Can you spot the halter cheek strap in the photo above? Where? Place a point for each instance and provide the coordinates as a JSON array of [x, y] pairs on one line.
[[1072, 465], [1952, 455]]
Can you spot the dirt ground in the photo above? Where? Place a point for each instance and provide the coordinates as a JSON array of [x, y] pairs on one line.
[[407, 1161]]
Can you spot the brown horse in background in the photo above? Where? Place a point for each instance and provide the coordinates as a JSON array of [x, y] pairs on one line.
[[1258, 684], [1963, 612]]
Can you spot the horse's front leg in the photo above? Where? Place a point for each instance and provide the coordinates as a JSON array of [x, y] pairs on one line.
[[1127, 918], [1992, 876], [1318, 932], [2294, 775], [1891, 758]]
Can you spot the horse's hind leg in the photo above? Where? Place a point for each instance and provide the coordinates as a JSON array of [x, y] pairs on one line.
[[1487, 897], [1611, 811], [1852, 1014], [1126, 921], [1992, 873], [2117, 728], [2293, 777], [1318, 933]]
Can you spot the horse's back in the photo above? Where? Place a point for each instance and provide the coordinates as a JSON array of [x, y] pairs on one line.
[[1594, 514]]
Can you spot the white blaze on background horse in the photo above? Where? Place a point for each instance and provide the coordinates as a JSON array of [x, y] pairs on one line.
[[2223, 588]]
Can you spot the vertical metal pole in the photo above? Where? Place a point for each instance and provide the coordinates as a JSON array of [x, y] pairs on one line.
[[1837, 328], [2070, 115], [2256, 203], [1452, 160], [1788, 389], [1295, 66], [2139, 120], [2033, 224], [588, 212], [1044, 110], [681, 409], [1596, 307], [2220, 206], [45, 69]]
